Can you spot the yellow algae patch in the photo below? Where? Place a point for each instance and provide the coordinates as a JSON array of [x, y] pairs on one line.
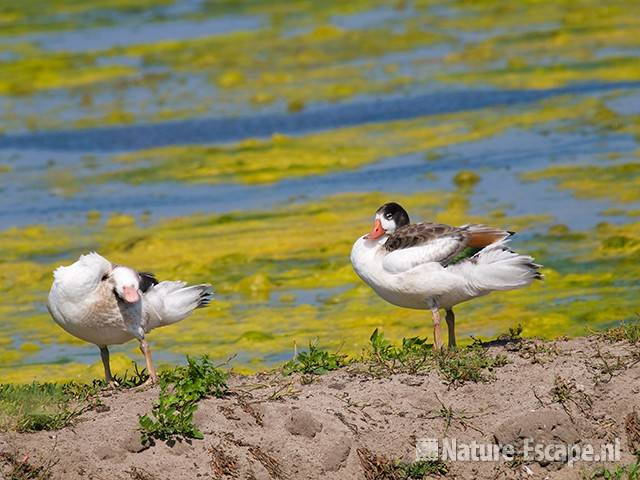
[[52, 71], [530, 46], [620, 182], [267, 161]]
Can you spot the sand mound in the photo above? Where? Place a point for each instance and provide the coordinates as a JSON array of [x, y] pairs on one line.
[[348, 424]]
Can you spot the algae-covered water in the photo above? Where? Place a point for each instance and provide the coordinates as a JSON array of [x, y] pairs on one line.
[[248, 143]]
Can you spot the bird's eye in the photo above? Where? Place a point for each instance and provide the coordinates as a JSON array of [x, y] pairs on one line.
[[388, 216], [105, 276]]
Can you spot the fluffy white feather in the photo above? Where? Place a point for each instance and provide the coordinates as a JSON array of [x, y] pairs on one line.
[[407, 258], [497, 268], [81, 277]]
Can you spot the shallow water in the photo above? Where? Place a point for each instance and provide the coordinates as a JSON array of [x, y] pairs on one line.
[[255, 167]]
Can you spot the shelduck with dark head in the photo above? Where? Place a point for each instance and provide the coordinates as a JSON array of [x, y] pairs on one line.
[[432, 265]]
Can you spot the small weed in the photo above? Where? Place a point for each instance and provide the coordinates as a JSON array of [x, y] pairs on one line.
[[537, 350], [411, 357], [566, 392], [135, 379], [626, 331], [181, 388], [415, 355], [632, 429], [605, 366], [379, 467], [314, 362], [11, 468], [471, 364], [449, 415], [283, 391], [138, 473], [624, 472], [562, 390], [513, 334]]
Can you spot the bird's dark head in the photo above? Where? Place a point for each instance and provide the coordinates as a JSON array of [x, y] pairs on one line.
[[389, 217]]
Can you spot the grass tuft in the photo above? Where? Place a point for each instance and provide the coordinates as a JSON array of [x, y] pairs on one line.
[[471, 364], [51, 406], [378, 467], [414, 356], [314, 362]]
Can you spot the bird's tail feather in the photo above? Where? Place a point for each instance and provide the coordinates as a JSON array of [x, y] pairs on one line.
[[496, 267]]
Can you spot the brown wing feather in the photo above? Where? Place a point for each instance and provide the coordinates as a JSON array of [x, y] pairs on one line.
[[417, 234], [422, 233]]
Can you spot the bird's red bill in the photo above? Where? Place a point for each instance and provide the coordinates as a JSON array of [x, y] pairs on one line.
[[377, 230]]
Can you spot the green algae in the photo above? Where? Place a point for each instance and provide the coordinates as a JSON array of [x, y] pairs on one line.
[[618, 182]]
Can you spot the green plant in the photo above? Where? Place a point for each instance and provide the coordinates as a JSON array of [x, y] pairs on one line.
[[43, 406], [11, 468], [380, 467], [470, 364], [50, 406], [562, 390], [315, 361], [420, 469], [624, 472], [181, 388], [626, 331], [415, 355], [135, 379], [410, 357], [514, 333], [35, 422]]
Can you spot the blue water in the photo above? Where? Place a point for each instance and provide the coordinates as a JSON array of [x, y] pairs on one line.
[[216, 130]]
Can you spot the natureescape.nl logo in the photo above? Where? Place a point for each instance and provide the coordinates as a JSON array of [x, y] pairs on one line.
[[450, 449]]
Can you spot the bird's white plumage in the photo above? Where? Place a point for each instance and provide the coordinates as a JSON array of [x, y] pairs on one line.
[[82, 276], [170, 302], [413, 278], [83, 302], [405, 259]]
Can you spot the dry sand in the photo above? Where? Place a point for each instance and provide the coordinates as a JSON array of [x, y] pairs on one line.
[[340, 425]]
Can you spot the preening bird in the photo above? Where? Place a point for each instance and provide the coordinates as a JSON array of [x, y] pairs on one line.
[[107, 304], [431, 266]]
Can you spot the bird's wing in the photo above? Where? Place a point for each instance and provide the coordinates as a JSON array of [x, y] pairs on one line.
[[170, 302], [423, 243]]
